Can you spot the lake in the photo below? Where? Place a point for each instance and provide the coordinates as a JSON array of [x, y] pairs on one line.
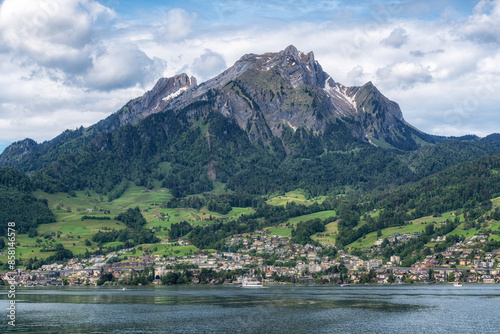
[[295, 309]]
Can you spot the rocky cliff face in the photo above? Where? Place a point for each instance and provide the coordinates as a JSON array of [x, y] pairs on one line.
[[155, 100], [264, 94]]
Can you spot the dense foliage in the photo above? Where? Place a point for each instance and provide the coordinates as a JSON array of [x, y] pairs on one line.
[[18, 205], [133, 218], [179, 230], [221, 203], [129, 237], [135, 234], [302, 234], [466, 186]]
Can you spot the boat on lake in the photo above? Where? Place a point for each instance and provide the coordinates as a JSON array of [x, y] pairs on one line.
[[251, 283], [457, 284]]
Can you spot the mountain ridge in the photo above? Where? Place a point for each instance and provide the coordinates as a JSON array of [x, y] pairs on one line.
[[267, 123]]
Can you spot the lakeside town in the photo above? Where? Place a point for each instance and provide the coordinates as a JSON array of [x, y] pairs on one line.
[[273, 259]]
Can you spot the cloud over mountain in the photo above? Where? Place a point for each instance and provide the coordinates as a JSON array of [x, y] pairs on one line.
[[208, 65]]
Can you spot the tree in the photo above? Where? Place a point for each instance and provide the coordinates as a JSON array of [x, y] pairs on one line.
[[429, 229], [32, 232], [391, 278], [431, 275], [170, 278]]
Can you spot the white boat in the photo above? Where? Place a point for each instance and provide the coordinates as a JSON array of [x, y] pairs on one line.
[[457, 284], [251, 283], [344, 285]]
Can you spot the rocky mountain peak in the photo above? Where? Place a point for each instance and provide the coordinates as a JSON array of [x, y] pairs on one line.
[[265, 93], [293, 54], [294, 66], [372, 100], [290, 50], [17, 151], [153, 101]]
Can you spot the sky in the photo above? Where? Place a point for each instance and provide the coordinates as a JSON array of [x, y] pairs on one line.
[[70, 63]]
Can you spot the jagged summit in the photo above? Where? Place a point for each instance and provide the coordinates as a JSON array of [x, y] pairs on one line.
[[153, 101], [290, 88], [297, 67]]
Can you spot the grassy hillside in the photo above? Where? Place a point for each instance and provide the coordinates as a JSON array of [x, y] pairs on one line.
[[72, 232], [76, 234], [418, 225]]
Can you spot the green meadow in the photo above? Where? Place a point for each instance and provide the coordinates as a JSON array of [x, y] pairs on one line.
[[296, 196], [416, 225], [320, 215], [327, 237], [72, 232]]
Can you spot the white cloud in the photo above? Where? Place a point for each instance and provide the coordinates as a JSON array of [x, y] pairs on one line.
[[176, 24], [56, 34], [484, 25], [396, 39], [489, 64], [355, 77], [403, 75], [63, 38], [121, 66], [208, 65]]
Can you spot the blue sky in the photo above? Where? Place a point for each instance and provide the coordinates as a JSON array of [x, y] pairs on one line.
[[237, 12], [67, 63]]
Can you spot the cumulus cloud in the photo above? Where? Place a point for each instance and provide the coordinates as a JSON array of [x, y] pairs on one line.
[[484, 25], [176, 24], [403, 75], [54, 34], [208, 65], [355, 77], [63, 39], [396, 39], [123, 66], [489, 65]]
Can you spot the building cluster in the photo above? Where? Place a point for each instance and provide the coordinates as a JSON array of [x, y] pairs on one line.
[[275, 258]]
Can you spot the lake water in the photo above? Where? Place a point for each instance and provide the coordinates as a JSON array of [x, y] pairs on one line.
[[204, 309]]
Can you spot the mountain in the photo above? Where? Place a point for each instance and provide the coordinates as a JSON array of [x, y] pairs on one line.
[[29, 156], [270, 122], [264, 94]]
